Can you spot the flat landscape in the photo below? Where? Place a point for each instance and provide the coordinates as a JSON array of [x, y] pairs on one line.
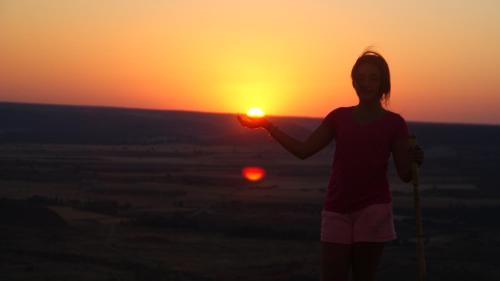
[[170, 206]]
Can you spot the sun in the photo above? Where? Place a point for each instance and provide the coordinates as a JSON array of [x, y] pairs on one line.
[[255, 112]]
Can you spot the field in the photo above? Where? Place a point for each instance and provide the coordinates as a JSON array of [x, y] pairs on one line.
[[184, 212]]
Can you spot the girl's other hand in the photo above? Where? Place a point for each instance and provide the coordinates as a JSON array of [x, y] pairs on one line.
[[252, 122], [417, 155]]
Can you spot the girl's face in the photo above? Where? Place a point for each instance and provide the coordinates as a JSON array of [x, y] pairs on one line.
[[367, 83]]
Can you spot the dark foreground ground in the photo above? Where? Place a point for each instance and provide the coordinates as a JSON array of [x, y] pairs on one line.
[[184, 212], [90, 193]]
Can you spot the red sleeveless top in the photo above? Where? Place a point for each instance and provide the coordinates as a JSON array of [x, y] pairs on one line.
[[359, 170]]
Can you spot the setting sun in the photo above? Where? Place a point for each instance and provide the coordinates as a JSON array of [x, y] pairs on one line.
[[255, 112]]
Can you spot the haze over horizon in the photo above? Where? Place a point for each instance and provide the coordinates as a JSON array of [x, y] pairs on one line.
[[290, 58]]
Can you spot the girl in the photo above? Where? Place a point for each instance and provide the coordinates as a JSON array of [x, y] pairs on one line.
[[357, 216]]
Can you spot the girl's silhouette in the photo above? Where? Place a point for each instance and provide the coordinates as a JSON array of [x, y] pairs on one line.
[[357, 216]]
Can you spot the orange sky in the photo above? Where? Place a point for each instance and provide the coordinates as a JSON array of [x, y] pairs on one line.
[[288, 57]]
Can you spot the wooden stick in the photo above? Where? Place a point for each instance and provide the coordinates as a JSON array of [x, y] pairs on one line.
[[422, 271]]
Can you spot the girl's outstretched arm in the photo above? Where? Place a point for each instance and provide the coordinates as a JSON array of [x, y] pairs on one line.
[[318, 139]]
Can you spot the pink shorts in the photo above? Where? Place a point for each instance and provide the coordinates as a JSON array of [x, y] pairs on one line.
[[374, 223]]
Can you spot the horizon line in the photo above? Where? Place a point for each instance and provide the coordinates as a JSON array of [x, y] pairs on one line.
[[217, 113]]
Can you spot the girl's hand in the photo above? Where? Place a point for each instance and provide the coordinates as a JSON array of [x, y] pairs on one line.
[[417, 155], [251, 122]]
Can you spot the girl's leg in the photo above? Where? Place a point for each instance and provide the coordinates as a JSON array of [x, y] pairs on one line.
[[365, 259], [335, 261]]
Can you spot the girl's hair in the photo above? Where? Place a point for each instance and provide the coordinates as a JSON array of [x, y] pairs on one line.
[[376, 59]]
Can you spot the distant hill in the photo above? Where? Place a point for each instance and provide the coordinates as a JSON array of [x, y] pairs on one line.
[[470, 153], [60, 124], [35, 123]]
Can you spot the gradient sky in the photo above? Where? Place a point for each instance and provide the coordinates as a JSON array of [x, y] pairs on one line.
[[288, 57]]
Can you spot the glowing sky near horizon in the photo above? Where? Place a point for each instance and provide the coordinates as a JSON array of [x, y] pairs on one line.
[[287, 57]]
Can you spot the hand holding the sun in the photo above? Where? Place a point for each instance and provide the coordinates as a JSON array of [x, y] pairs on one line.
[[252, 122]]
